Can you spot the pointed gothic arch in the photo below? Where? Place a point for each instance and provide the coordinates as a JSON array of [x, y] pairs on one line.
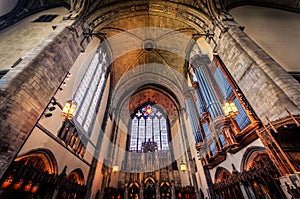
[[134, 190], [250, 156], [45, 158], [221, 174], [76, 176]]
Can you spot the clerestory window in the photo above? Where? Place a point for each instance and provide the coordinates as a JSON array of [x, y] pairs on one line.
[[89, 92]]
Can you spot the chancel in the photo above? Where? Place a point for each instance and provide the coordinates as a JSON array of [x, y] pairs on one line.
[[175, 99]]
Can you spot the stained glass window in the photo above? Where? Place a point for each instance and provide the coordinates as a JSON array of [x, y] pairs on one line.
[[149, 124]]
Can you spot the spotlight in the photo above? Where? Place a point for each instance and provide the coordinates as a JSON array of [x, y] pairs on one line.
[[52, 108], [48, 114]]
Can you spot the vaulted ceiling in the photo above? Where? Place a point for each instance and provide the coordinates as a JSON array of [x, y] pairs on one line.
[[146, 32]]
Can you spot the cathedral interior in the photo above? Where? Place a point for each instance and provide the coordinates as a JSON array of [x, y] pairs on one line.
[[145, 99]]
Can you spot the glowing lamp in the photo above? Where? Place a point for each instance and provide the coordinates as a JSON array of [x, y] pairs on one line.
[[18, 184], [69, 110], [34, 188], [27, 187], [7, 182], [230, 109], [182, 167], [115, 169]]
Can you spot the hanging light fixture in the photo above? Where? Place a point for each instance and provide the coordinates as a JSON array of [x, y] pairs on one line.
[[230, 109], [115, 169], [69, 110], [182, 166]]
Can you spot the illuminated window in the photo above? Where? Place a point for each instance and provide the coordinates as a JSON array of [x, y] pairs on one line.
[[149, 124], [89, 91]]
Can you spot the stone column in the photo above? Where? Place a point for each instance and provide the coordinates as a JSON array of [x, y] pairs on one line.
[[27, 89], [141, 192], [252, 68], [157, 192], [173, 191], [126, 192]]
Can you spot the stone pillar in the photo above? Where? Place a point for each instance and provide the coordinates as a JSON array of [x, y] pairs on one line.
[[173, 191], [252, 68], [27, 89], [126, 192], [141, 192]]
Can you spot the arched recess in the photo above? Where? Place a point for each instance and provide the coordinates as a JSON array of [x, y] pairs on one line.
[[40, 158], [165, 190], [263, 180], [160, 76], [149, 188], [250, 156], [76, 176], [230, 190], [133, 190], [221, 174]]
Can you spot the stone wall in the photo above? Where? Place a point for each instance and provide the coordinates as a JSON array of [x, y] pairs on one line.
[[26, 89], [267, 86]]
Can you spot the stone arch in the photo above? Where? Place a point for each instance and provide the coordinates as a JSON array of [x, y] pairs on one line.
[[134, 183], [158, 75], [251, 155], [264, 175], [134, 190], [221, 174], [149, 185], [188, 15], [165, 189], [151, 179], [44, 155], [76, 176]]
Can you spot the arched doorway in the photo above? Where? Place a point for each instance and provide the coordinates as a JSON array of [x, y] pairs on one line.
[[165, 190], [29, 175], [34, 175], [264, 184], [134, 191], [231, 190], [149, 188], [75, 177]]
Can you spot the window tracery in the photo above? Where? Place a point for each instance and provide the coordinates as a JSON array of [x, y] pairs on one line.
[[88, 93], [149, 124]]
